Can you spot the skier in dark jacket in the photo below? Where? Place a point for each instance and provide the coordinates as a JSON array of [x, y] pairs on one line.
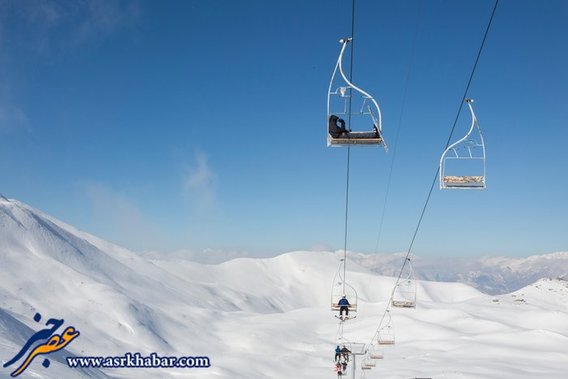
[[345, 353], [336, 127], [343, 306]]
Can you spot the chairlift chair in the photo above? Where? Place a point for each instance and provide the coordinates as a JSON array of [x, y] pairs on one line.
[[405, 291], [369, 362], [386, 331], [348, 105], [462, 165], [386, 335], [340, 288], [375, 352]]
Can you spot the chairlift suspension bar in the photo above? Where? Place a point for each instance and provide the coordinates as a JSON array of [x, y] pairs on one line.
[[352, 86], [399, 126], [473, 125]]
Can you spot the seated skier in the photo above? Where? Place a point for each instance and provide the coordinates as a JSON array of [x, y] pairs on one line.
[[343, 306], [338, 369], [345, 353], [336, 127]]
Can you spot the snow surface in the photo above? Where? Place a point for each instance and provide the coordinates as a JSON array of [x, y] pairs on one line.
[[258, 318]]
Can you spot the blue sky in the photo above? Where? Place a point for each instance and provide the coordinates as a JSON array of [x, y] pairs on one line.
[[201, 124]]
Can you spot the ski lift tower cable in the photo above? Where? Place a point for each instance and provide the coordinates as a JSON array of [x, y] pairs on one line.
[[438, 167], [399, 124]]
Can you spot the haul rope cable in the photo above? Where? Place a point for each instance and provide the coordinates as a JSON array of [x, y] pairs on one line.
[[339, 335], [399, 125], [348, 147]]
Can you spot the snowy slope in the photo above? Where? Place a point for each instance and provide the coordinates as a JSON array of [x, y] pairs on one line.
[[257, 318]]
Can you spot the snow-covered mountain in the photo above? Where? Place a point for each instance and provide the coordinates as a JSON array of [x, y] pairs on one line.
[[492, 275], [256, 318]]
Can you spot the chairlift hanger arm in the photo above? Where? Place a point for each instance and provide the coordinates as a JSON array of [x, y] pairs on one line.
[[473, 125], [345, 41]]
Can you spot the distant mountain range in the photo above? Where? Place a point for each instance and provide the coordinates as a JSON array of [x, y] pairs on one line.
[[491, 275]]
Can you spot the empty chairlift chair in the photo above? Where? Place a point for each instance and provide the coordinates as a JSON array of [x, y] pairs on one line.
[[350, 107], [365, 367], [386, 331], [462, 165], [375, 352], [367, 361], [405, 292]]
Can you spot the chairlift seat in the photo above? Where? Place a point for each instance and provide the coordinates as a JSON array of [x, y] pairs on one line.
[[463, 181], [356, 138], [403, 304], [351, 307], [376, 355], [369, 362]]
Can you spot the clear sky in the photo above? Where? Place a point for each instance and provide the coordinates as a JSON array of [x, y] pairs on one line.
[[201, 124]]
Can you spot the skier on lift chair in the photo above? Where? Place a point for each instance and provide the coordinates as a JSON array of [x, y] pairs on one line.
[[336, 127], [343, 306]]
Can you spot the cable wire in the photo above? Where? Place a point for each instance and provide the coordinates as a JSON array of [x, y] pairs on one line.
[[348, 147], [399, 125]]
